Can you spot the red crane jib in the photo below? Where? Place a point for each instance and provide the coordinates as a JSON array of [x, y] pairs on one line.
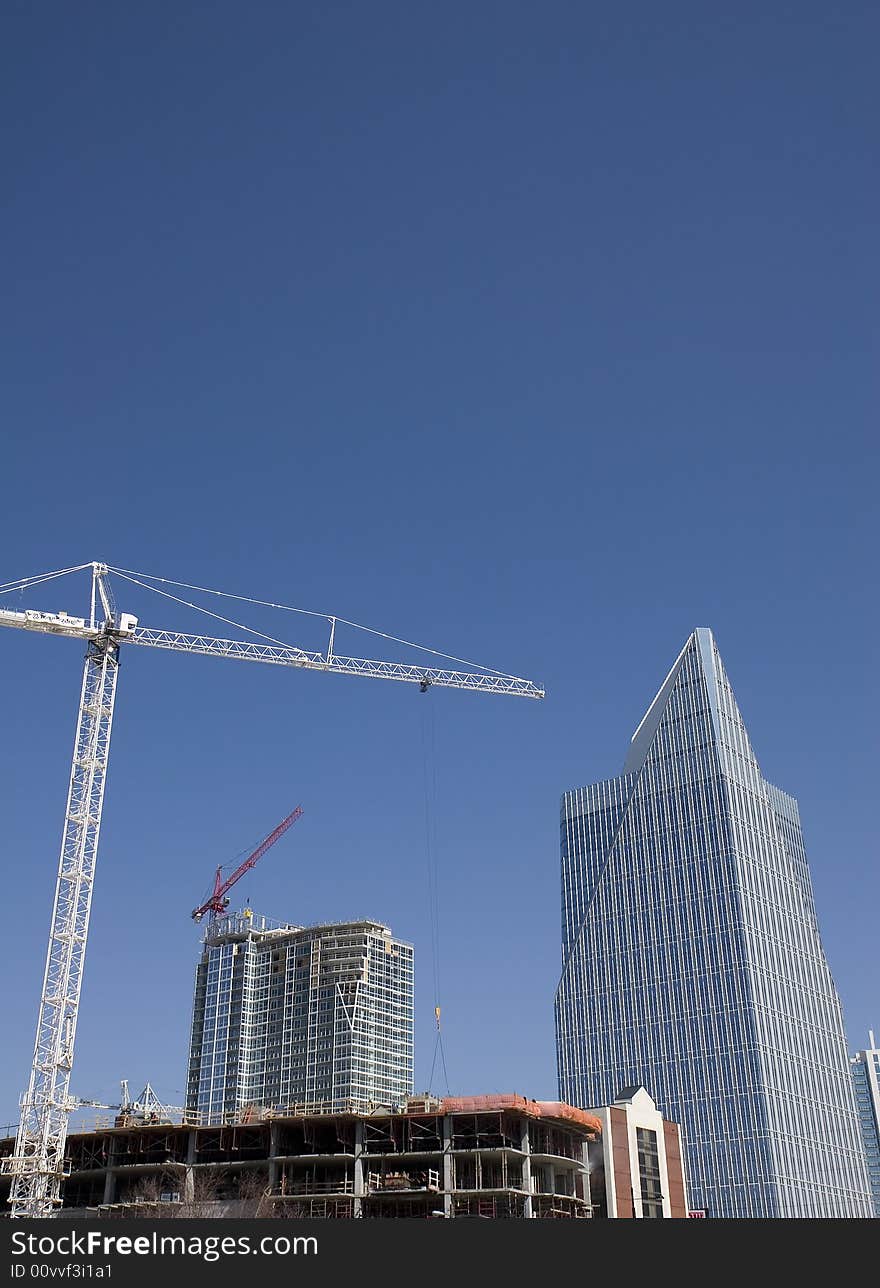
[[217, 903]]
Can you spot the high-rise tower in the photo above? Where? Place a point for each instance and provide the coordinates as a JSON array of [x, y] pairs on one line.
[[290, 1016], [692, 961]]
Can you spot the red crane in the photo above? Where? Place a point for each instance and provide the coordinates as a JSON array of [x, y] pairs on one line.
[[217, 903]]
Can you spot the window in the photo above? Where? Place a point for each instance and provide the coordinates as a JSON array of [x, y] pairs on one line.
[[649, 1172]]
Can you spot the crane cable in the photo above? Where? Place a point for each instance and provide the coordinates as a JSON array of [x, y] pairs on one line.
[[240, 626], [25, 583], [287, 608], [429, 750]]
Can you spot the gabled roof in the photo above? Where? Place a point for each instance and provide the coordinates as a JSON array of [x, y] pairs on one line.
[[634, 1095]]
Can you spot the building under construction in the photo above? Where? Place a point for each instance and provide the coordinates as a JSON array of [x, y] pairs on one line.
[[481, 1156], [286, 1015]]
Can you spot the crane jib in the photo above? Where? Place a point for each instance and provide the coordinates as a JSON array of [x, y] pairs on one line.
[[271, 654]]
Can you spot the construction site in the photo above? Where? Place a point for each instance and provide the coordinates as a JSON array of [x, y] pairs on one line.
[[299, 1096], [281, 1012], [484, 1156]]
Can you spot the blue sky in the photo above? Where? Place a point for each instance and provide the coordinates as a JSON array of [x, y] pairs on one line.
[[538, 334]]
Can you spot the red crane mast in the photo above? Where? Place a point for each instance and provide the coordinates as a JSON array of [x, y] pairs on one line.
[[218, 903]]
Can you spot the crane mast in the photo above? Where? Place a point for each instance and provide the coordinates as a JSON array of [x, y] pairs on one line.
[[36, 1167]]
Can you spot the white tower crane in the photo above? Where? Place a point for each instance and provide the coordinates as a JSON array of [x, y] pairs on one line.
[[37, 1165]]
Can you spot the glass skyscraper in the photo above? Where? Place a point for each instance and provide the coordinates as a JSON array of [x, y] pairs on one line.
[[692, 962], [289, 1016], [865, 1067]]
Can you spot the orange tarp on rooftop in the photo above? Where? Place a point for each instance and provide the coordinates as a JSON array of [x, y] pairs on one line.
[[534, 1108]]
